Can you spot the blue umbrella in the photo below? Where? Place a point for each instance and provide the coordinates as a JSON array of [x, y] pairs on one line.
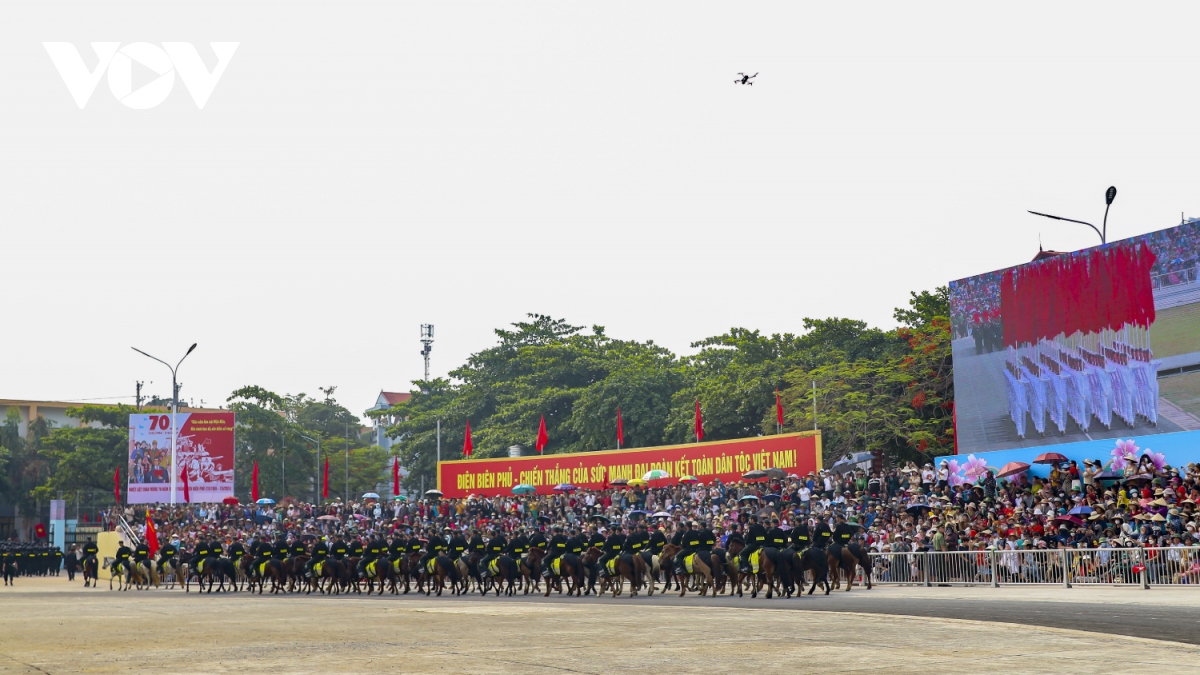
[[565, 487], [524, 489], [772, 497], [370, 495], [748, 498], [1081, 511], [264, 500]]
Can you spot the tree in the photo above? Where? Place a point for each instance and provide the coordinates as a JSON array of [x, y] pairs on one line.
[[83, 458], [924, 307]]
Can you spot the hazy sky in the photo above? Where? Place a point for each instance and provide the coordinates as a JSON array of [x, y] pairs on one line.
[[365, 167]]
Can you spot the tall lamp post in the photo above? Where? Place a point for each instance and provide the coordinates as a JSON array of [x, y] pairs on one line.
[[174, 408], [1109, 195], [318, 442]]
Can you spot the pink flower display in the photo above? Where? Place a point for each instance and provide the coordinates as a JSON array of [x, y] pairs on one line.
[[1159, 459], [1126, 452], [974, 469], [955, 476]]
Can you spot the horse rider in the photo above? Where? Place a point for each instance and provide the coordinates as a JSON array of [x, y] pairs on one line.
[[520, 544], [822, 534], [141, 553], [458, 545], [320, 551], [298, 547], [281, 549], [756, 538], [371, 553], [236, 550], [691, 541], [612, 547], [339, 549], [800, 536], [557, 544], [594, 538], [477, 544], [776, 537], [495, 548], [843, 533], [575, 543], [639, 539], [166, 555], [124, 553], [657, 541]]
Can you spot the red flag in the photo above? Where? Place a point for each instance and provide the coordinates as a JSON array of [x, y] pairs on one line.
[[699, 423], [254, 483], [620, 429], [467, 445], [396, 477], [542, 438], [187, 493], [151, 535], [778, 408], [117, 484], [325, 487], [40, 531]]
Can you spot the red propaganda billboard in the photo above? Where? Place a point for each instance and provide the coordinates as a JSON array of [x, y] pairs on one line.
[[726, 460], [204, 447]]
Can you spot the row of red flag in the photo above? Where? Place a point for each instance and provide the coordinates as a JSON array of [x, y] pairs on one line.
[[543, 438]]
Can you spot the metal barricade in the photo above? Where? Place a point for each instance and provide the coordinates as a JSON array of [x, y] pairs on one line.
[[1145, 567]]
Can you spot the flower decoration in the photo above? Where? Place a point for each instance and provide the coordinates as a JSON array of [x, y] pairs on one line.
[[1126, 452], [1158, 458], [955, 473], [975, 468]]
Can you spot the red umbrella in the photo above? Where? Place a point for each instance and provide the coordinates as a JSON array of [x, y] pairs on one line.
[[1074, 520], [232, 501], [1050, 458], [1012, 469]]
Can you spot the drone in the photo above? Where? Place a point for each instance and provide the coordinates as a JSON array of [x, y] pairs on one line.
[[745, 79]]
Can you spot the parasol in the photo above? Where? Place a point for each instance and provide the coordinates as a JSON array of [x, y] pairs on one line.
[[1050, 458], [370, 495], [688, 479], [264, 500], [619, 481], [755, 475], [636, 482], [565, 487], [776, 474], [655, 474], [1012, 469], [433, 493], [523, 489], [232, 501]]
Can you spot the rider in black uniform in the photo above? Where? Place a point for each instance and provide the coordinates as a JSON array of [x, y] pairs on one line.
[[756, 538]]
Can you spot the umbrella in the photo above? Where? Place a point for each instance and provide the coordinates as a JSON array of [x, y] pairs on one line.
[[688, 479], [1050, 458], [1081, 510], [600, 518], [748, 498], [636, 482], [308, 537], [619, 481], [1012, 469], [327, 518], [543, 518], [399, 498], [264, 500], [1110, 474], [655, 474], [776, 474], [232, 501], [1140, 478], [370, 495], [433, 493], [916, 509], [565, 487], [637, 513], [772, 498], [754, 475], [359, 517], [1073, 520], [660, 514], [768, 512], [524, 489]]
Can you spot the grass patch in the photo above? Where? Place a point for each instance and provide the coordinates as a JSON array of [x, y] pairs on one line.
[[1176, 331], [1183, 391]]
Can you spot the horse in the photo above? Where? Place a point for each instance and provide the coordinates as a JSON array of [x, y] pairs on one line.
[[437, 570], [122, 573], [810, 560], [845, 560], [505, 572], [666, 565], [619, 568], [144, 576], [767, 575], [566, 566], [733, 570], [700, 573], [530, 568], [91, 567], [373, 571]]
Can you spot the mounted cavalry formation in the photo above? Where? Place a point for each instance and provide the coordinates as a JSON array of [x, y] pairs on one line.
[[628, 559]]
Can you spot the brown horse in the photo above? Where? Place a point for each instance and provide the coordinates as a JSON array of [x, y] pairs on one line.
[[619, 569], [503, 577], [700, 575], [437, 571], [531, 569], [567, 566], [90, 569], [845, 560]]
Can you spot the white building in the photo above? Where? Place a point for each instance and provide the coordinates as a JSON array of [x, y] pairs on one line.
[[384, 401]]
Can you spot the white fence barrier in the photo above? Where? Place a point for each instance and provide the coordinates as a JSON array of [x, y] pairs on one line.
[[1145, 567]]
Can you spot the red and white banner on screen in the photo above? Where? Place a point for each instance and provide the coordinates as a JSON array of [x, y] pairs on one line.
[[204, 450]]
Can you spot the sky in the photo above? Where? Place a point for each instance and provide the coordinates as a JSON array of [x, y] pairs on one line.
[[361, 168]]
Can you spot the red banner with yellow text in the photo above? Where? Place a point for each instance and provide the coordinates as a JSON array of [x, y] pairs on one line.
[[727, 460]]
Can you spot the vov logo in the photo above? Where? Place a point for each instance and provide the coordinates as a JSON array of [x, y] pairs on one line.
[[118, 61]]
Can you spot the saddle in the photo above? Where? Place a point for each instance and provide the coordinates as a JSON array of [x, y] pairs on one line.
[[396, 565], [611, 566], [687, 562], [755, 558], [317, 567], [370, 568], [262, 567], [493, 567], [556, 566], [431, 566], [200, 566]]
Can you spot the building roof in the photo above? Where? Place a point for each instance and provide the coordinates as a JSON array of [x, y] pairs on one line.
[[394, 397]]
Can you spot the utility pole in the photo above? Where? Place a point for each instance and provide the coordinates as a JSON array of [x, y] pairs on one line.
[[347, 460], [427, 340], [814, 405], [139, 396]]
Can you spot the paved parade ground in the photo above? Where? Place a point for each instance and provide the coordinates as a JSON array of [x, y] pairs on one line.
[[50, 626]]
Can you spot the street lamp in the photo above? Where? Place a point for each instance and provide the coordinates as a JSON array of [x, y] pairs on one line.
[[1109, 195], [174, 408], [318, 442]]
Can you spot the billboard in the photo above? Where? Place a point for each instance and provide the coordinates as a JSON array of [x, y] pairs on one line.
[[204, 447], [1095, 344], [726, 460]]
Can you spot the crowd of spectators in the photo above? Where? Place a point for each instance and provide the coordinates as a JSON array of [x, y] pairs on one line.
[[908, 509]]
